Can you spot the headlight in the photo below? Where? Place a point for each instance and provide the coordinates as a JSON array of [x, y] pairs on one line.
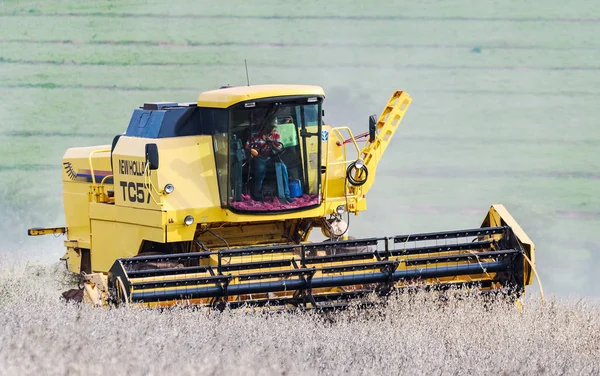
[[340, 210], [169, 188], [189, 220]]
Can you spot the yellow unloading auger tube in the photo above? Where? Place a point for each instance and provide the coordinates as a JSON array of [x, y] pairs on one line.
[[353, 178], [497, 257], [379, 138]]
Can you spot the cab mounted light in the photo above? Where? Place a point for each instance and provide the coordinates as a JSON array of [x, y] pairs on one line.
[[169, 188], [189, 220]]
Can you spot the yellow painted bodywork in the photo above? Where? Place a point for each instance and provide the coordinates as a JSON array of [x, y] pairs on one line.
[[223, 98], [111, 209], [72, 257], [46, 231], [499, 216], [113, 227]]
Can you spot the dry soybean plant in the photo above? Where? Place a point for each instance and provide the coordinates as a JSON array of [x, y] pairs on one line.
[[411, 334]]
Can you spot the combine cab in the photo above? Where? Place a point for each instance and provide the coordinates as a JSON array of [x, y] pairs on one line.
[[212, 203]]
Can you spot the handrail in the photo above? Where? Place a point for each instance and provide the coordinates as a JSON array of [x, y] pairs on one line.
[[104, 178], [338, 131], [92, 165], [345, 161]]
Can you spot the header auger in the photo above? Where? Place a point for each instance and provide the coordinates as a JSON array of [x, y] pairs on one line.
[[212, 203]]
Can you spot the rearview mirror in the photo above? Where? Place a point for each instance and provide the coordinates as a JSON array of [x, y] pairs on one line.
[[305, 133], [372, 127], [152, 156]]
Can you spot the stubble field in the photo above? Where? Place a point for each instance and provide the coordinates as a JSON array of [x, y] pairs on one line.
[[504, 103]]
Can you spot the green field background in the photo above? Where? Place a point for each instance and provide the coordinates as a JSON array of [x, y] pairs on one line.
[[505, 103]]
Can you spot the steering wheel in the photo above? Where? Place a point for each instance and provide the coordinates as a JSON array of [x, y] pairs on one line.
[[276, 147]]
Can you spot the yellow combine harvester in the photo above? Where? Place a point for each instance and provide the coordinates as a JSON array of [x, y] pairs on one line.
[[211, 203]]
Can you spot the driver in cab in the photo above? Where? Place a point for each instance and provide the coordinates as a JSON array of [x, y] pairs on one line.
[[264, 147]]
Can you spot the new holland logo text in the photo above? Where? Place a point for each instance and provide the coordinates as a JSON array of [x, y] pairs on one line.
[[136, 192], [128, 167]]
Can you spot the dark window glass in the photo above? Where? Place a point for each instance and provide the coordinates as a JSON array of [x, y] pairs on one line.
[[274, 154]]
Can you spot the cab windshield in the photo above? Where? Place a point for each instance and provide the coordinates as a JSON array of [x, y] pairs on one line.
[[273, 153]]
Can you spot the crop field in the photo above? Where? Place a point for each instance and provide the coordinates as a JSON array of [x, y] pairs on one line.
[[411, 335], [505, 97]]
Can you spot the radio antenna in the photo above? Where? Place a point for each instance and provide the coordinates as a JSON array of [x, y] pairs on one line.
[[247, 77]]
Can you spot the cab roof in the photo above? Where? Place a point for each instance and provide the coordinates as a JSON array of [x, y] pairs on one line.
[[223, 98]]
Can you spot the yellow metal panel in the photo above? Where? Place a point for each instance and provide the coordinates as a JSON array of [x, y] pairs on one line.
[[223, 98], [82, 152], [72, 257], [102, 211], [185, 162], [142, 217], [77, 216], [77, 167], [189, 164], [180, 232], [246, 234], [113, 240], [134, 186], [236, 234], [76, 176], [508, 219], [499, 216], [235, 217], [332, 156]]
